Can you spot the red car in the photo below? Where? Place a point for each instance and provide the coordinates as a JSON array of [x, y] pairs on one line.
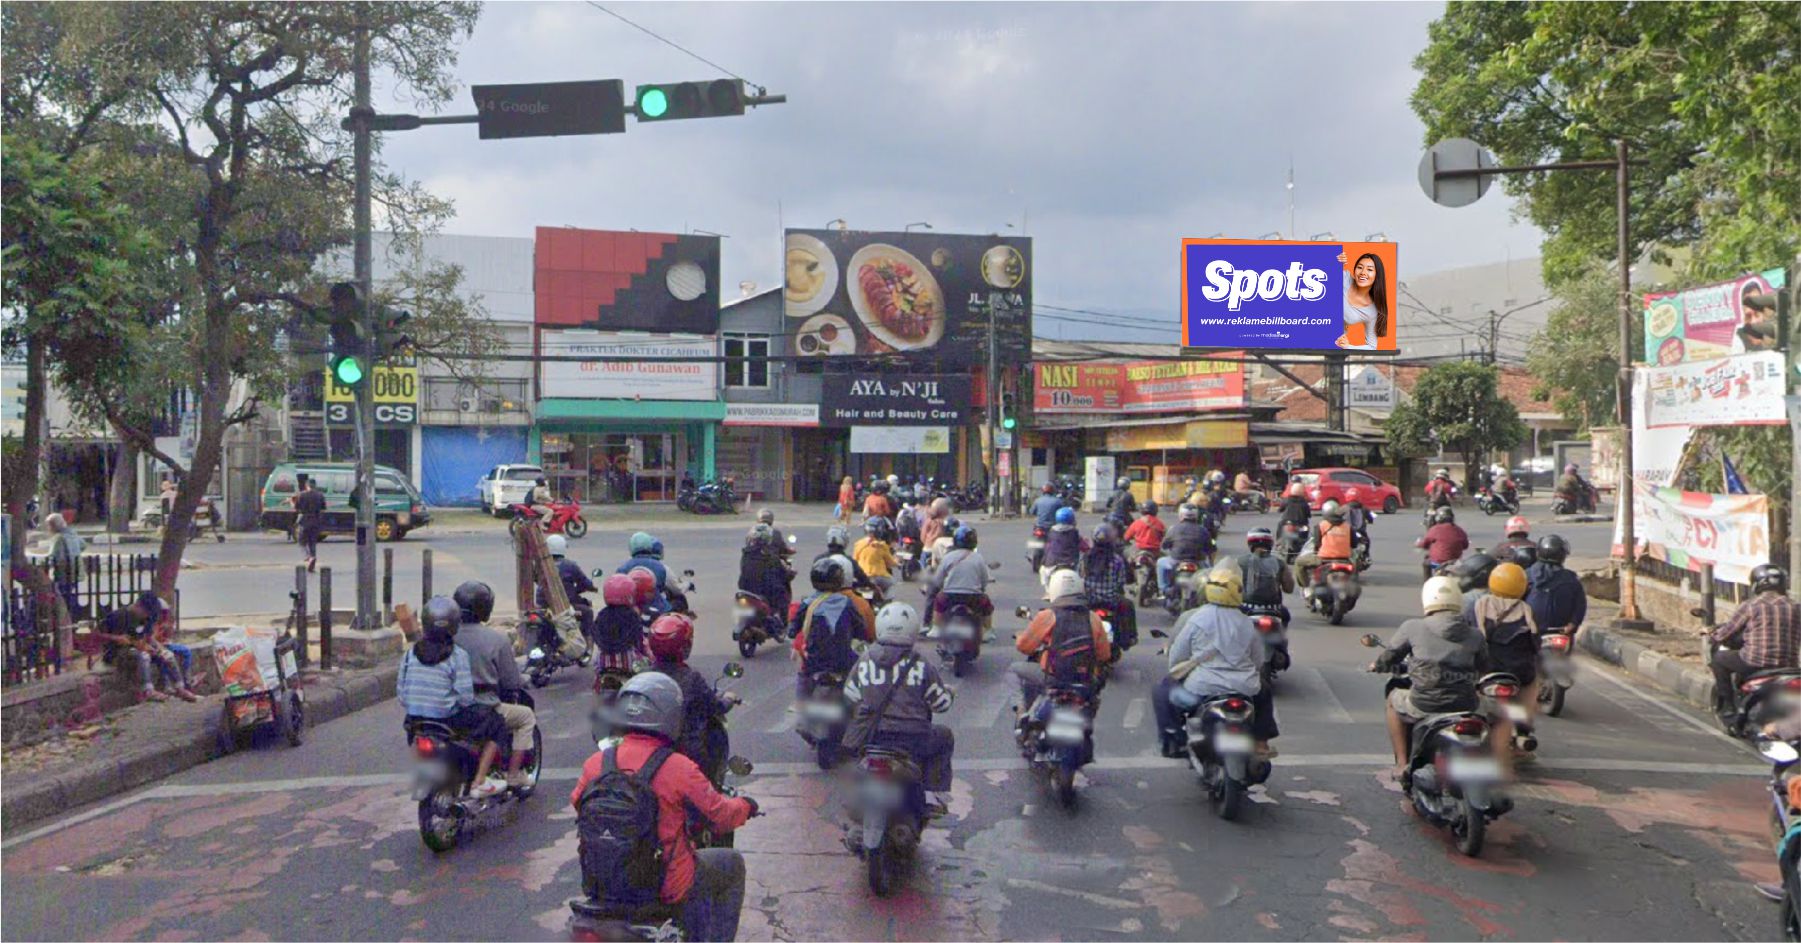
[[1330, 484]]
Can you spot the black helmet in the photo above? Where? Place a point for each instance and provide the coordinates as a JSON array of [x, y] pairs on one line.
[[1768, 577], [827, 574], [1150, 507], [1553, 549], [1103, 533], [441, 616], [1525, 555], [476, 600], [1472, 571], [1444, 515], [964, 538], [879, 528], [1260, 538], [879, 487]]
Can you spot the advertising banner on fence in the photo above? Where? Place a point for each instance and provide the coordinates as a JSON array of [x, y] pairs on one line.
[[1292, 296], [1741, 390], [1703, 323], [1687, 529], [652, 377], [1137, 386], [850, 293], [930, 399]]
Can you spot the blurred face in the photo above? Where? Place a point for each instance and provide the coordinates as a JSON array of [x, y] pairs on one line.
[[1365, 273]]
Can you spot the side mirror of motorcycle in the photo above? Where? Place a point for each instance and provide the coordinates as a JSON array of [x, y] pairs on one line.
[[1778, 751], [1159, 633], [994, 564], [739, 766], [1022, 612], [688, 574], [600, 573], [733, 670], [1370, 641], [1697, 612]]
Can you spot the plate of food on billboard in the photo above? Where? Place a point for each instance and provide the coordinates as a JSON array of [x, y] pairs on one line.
[[811, 276], [896, 296], [1323, 297]]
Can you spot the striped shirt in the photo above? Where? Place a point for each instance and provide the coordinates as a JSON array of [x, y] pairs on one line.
[[1771, 626], [436, 691]]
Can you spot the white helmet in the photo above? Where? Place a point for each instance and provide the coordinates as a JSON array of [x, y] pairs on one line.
[[1063, 583], [897, 624], [1440, 594], [893, 481], [557, 544]]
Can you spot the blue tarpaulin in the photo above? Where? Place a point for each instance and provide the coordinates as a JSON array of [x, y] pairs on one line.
[[456, 457]]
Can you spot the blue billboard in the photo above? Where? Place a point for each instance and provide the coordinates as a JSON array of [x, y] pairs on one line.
[[1329, 297]]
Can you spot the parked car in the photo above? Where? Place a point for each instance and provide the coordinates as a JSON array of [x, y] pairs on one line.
[[1535, 474], [398, 505], [507, 485], [1330, 484]]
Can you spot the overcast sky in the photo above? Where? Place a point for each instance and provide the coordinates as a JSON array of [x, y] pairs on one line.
[[1106, 131]]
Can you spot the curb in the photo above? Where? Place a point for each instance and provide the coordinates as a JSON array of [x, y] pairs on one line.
[[1691, 684], [327, 698]]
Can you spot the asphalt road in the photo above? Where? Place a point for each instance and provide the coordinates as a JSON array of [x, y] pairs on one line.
[[1639, 822]]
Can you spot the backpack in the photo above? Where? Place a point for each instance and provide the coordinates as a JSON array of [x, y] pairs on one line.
[[616, 829], [1512, 647], [830, 620], [1072, 657], [1262, 579]]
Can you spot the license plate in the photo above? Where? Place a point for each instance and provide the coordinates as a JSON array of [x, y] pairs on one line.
[[1514, 712], [906, 554], [1230, 742], [1475, 768], [1064, 732], [744, 615], [823, 711], [960, 630]]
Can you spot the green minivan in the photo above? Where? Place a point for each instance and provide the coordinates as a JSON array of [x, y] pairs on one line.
[[398, 506]]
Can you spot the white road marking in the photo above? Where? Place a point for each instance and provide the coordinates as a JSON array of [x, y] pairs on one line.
[[1100, 900], [1313, 681], [1592, 669], [988, 711], [1134, 713]]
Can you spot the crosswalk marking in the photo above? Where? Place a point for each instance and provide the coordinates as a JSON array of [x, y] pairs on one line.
[[785, 723], [1319, 693], [989, 710], [1134, 713]]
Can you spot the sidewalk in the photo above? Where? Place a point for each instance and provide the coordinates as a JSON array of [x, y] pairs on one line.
[[1666, 656]]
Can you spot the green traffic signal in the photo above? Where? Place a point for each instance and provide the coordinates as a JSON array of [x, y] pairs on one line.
[[1008, 423], [653, 102], [348, 371]]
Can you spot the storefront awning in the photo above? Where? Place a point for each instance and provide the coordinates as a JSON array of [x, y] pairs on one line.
[[552, 410]]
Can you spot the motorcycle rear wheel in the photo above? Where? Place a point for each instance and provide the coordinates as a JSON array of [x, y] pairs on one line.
[[440, 830], [1469, 830], [747, 648], [825, 753], [1063, 783], [1551, 694], [540, 678], [1336, 616], [1227, 798], [884, 869]]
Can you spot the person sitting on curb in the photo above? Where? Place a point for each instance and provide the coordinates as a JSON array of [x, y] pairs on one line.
[[139, 627]]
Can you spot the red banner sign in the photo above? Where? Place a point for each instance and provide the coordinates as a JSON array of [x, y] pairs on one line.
[[1137, 386]]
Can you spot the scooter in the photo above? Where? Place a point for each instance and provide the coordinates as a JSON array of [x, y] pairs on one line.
[[1783, 755], [1187, 585], [1272, 628], [1056, 736], [1222, 752], [1242, 502], [1144, 571], [443, 772], [1289, 542], [753, 622], [1760, 698], [960, 638], [548, 654], [823, 717], [1501, 699], [1556, 669], [1452, 775], [1335, 590], [906, 552], [1492, 503], [1565, 503], [565, 518], [888, 813], [1035, 549]]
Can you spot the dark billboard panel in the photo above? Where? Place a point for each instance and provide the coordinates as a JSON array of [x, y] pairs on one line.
[[891, 399], [592, 279]]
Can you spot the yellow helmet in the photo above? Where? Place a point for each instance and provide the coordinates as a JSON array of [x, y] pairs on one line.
[[1200, 499], [1225, 585], [1507, 580]]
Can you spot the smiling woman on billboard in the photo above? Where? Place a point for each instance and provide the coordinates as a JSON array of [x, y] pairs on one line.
[[1366, 319]]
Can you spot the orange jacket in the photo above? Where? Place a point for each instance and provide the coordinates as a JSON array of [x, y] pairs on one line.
[[1035, 641]]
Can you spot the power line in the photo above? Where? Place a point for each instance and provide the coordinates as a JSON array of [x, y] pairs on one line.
[[675, 45]]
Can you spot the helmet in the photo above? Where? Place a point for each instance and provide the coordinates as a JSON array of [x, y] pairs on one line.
[[656, 549], [1333, 511], [1063, 582], [1216, 475], [1440, 594], [1225, 585], [1047, 488], [1150, 508], [827, 574], [1103, 533], [879, 487], [762, 535], [897, 624], [1295, 490], [1444, 515], [879, 528], [1066, 515], [645, 583], [1190, 513], [1508, 580], [1769, 578], [893, 480], [1123, 483], [1260, 538], [1444, 473], [1472, 571], [964, 538], [441, 615], [837, 538], [672, 637], [556, 544], [1517, 526], [1525, 555], [476, 600], [641, 544], [766, 516], [650, 702], [1569, 469], [1553, 549], [620, 590]]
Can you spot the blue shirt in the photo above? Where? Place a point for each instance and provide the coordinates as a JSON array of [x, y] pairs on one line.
[[435, 691], [1556, 597], [1045, 509], [652, 564]]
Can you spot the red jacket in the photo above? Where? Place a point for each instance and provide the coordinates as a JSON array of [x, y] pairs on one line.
[[1146, 533], [679, 784], [1445, 542]]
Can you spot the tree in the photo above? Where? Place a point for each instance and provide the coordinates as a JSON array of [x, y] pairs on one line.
[[1576, 358], [1704, 93], [1456, 407]]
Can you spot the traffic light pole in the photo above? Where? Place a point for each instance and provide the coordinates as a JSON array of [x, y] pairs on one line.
[[360, 114], [994, 392]]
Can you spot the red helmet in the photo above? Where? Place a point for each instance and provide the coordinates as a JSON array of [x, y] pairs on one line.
[[672, 638], [1517, 525], [646, 583], [620, 590]]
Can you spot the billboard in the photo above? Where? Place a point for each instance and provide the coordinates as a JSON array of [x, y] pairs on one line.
[[894, 399], [1743, 390], [1137, 386], [626, 281], [1703, 323], [900, 440], [1324, 297], [922, 294], [643, 369]]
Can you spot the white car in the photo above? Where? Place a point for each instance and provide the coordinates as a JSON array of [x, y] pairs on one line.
[[506, 485]]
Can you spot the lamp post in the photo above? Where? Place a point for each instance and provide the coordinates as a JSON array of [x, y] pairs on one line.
[[909, 226]]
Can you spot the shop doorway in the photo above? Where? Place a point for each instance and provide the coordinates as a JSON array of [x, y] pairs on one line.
[[611, 468]]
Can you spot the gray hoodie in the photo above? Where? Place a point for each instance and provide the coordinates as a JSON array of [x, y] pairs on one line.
[[921, 693]]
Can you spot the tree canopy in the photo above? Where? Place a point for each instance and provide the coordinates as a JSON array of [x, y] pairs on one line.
[[1457, 407]]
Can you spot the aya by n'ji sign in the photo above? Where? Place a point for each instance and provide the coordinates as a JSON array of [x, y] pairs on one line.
[[1138, 386]]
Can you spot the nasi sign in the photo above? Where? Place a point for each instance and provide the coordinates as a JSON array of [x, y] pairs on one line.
[[389, 383], [549, 109]]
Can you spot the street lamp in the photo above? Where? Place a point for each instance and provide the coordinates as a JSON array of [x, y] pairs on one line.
[[909, 226], [1321, 236], [1277, 234], [1376, 237], [838, 224]]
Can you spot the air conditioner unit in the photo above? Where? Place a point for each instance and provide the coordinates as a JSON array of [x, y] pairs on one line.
[[466, 404]]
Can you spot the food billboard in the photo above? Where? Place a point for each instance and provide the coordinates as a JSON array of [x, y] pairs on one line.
[[1331, 297], [1138, 386], [1711, 321], [920, 294]]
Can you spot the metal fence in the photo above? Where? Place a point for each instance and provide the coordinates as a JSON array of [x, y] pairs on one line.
[[1654, 569], [34, 648]]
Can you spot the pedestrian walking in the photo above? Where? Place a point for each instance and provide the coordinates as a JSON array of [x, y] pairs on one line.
[[309, 520]]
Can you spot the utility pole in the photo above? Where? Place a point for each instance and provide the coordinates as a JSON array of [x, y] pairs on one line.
[[360, 113], [994, 394], [1335, 411]]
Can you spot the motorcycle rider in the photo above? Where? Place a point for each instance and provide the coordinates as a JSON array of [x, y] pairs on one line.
[[1121, 504], [1331, 541], [1555, 594], [575, 582], [541, 500], [1511, 637], [875, 554], [761, 570], [1444, 541], [1519, 537], [910, 689], [494, 672], [936, 515], [619, 625], [1044, 509], [960, 578], [1065, 641], [1505, 489], [878, 504], [1063, 544], [767, 516], [1264, 580], [1359, 518], [837, 543], [1105, 574], [1185, 542], [1146, 537], [1296, 511], [906, 523], [647, 552], [1575, 489], [1444, 655], [826, 624], [1472, 574], [1440, 490], [437, 682], [1223, 654], [671, 641], [707, 884], [1764, 633]]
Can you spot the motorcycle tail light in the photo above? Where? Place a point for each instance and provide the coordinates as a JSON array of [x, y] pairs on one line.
[[1469, 727], [1753, 684], [1266, 624], [1235, 704], [1187, 568], [1341, 568], [426, 746], [878, 765], [1793, 684], [1038, 532], [1505, 691], [1557, 642]]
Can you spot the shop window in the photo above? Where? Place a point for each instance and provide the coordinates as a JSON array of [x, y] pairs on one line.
[[752, 371]]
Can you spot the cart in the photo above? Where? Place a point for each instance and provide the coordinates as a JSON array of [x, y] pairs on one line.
[[266, 700]]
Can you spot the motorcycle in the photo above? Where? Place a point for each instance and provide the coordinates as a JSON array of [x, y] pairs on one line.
[[1563, 502], [1035, 548], [1056, 736], [716, 497], [971, 497], [1187, 584], [1290, 541], [1760, 698], [753, 622], [565, 518], [1072, 492], [906, 552], [1556, 669], [548, 654], [960, 640], [1452, 775], [1272, 628], [444, 770], [1222, 752], [1783, 755], [889, 813], [1247, 502], [1501, 699], [1144, 573], [1336, 594], [824, 714], [1493, 503]]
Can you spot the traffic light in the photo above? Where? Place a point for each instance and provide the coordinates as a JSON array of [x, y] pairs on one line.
[[349, 352], [670, 101], [1007, 420], [390, 332]]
